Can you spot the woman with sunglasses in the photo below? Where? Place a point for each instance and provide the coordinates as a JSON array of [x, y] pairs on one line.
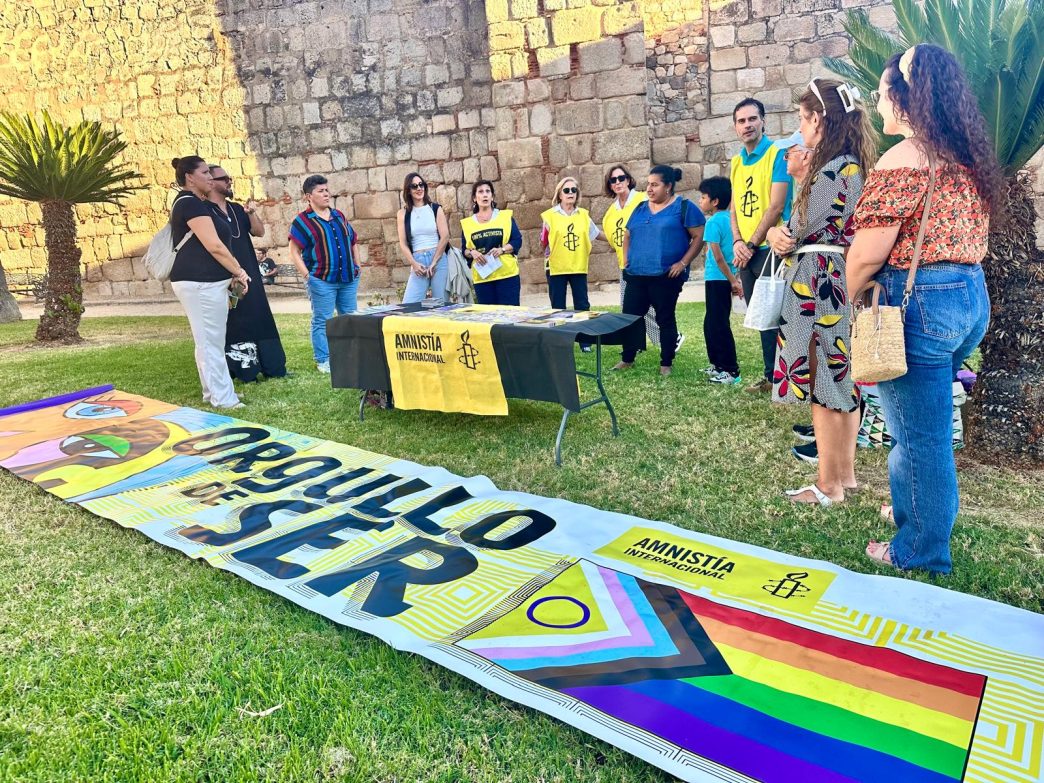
[[812, 354], [566, 238], [491, 244], [423, 239]]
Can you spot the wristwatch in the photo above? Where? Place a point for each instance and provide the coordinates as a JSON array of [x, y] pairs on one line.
[[751, 246]]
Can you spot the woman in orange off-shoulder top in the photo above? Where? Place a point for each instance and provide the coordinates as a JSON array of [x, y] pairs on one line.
[[924, 97]]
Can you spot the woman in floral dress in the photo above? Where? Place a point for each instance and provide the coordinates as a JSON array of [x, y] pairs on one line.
[[812, 358]]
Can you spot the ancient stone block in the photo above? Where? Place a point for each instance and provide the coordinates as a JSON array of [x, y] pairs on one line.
[[755, 32], [622, 18], [431, 148], [768, 54], [506, 35], [450, 96], [540, 119], [604, 55], [794, 28], [575, 25], [727, 59], [634, 49], [625, 144], [579, 148], [582, 87], [554, 61], [748, 79], [579, 117], [625, 81], [669, 150], [520, 153], [119, 269], [511, 93], [723, 36], [827, 47]]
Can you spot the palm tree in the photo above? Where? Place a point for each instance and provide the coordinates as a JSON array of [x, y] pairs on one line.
[[58, 166], [1000, 45]]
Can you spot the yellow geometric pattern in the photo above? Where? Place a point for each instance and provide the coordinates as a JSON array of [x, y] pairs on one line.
[[1009, 737]]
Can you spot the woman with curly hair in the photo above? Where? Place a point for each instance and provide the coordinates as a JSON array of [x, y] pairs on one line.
[[812, 357], [946, 160]]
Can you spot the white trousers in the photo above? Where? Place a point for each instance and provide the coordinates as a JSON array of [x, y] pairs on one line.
[[206, 305]]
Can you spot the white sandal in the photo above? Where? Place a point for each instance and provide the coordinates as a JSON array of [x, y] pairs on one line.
[[824, 500]]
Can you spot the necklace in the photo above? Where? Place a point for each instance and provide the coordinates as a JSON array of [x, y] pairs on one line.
[[230, 218]]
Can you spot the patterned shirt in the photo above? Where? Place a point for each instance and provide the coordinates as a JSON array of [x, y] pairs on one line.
[[958, 225], [327, 246]]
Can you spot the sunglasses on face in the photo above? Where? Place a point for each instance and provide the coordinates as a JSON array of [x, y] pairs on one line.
[[617, 180], [418, 186], [226, 178], [569, 190]]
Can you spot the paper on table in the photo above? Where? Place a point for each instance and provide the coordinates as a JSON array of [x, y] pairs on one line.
[[492, 265]]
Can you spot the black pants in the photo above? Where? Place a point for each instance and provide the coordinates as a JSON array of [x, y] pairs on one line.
[[556, 289], [717, 331], [662, 293], [748, 275]]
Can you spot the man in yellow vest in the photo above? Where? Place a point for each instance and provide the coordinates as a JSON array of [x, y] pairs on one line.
[[761, 195]]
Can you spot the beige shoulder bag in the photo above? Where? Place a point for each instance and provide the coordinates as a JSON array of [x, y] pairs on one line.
[[878, 345]]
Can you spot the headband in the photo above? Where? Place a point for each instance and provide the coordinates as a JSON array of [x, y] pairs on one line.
[[906, 62], [845, 91]]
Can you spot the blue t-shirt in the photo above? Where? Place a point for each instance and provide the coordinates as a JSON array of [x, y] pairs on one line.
[[719, 231], [658, 241]]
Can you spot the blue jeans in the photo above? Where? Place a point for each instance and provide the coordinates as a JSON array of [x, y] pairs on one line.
[[946, 319], [506, 291], [417, 285], [325, 298]]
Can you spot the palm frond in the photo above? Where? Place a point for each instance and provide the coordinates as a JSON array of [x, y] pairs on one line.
[[41, 160]]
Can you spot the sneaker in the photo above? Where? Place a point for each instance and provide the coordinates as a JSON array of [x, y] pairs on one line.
[[806, 452], [586, 348], [804, 432], [726, 379], [710, 370], [764, 386], [678, 343], [324, 367]]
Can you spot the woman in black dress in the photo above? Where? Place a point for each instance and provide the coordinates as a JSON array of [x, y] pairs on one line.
[[252, 344]]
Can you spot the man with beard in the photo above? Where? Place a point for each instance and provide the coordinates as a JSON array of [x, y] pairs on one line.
[[761, 191], [252, 344]]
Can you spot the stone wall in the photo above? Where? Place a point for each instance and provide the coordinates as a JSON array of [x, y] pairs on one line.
[[521, 92]]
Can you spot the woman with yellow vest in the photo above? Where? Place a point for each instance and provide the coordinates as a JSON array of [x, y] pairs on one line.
[[620, 187], [491, 243], [566, 238]]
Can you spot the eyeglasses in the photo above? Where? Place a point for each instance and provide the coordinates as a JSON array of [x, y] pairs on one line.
[[226, 178], [570, 190], [418, 186], [617, 180], [797, 149]]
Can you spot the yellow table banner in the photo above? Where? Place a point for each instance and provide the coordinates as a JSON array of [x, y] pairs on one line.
[[437, 364]]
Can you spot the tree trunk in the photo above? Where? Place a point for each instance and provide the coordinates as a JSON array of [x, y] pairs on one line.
[[9, 311], [63, 302], [1007, 410]]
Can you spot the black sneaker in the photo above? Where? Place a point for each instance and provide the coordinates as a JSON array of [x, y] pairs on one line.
[[806, 452], [805, 432], [678, 343]]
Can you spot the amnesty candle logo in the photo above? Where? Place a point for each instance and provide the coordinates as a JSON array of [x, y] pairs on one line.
[[468, 352]]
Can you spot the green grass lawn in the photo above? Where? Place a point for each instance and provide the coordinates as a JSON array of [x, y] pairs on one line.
[[121, 660]]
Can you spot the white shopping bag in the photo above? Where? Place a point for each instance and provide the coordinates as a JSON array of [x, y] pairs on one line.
[[739, 305], [766, 302]]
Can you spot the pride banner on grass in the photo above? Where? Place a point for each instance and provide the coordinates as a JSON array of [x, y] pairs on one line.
[[712, 659]]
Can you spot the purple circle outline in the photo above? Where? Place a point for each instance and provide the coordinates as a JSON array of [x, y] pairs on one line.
[[581, 604]]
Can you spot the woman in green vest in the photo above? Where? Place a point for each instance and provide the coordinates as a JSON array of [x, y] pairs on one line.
[[491, 244], [566, 238]]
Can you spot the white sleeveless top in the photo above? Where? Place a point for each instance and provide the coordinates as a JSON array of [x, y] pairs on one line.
[[423, 231]]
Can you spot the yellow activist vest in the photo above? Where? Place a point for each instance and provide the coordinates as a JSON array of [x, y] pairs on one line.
[[751, 189], [484, 236], [614, 223], [568, 240]]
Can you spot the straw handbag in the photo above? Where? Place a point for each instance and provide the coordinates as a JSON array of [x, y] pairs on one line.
[[878, 344]]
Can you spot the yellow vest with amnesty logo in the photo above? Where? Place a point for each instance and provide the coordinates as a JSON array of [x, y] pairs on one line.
[[614, 223], [752, 189], [568, 240], [485, 236]]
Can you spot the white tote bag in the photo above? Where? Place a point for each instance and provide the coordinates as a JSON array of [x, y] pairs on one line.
[[766, 302], [160, 255]]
